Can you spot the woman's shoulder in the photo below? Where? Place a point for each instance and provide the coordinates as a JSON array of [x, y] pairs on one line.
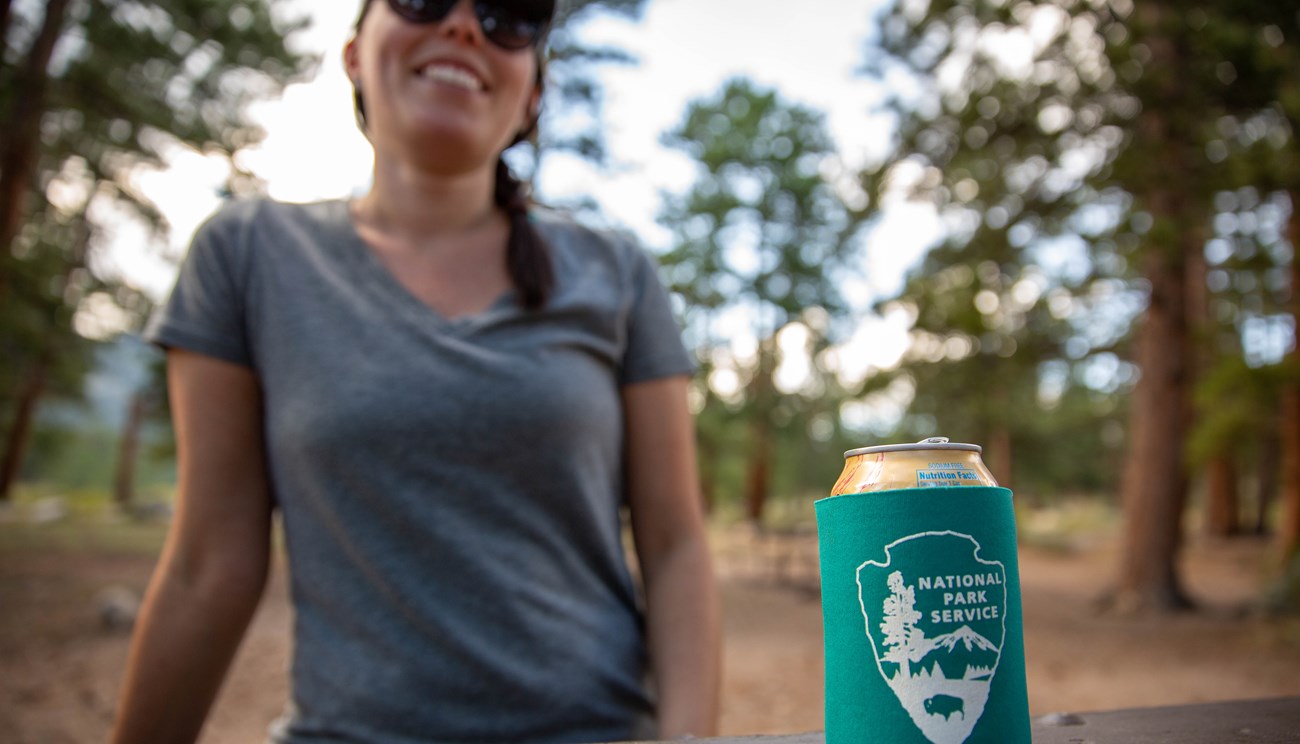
[[241, 227], [254, 211], [567, 236]]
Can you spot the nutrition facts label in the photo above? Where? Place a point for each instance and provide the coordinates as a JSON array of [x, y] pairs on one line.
[[946, 474]]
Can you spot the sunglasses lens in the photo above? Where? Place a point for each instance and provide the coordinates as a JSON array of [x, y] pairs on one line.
[[511, 25], [422, 11]]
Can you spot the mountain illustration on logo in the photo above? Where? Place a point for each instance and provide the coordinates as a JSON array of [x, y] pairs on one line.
[[962, 654], [935, 613]]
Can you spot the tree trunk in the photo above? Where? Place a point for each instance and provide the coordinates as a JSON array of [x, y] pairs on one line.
[[708, 492], [997, 445], [1222, 497], [128, 446], [1269, 467], [22, 141], [20, 428], [1155, 480], [759, 472], [1289, 529], [998, 450], [708, 473], [1154, 485], [763, 396]]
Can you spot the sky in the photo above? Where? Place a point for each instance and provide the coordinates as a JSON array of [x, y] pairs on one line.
[[809, 52]]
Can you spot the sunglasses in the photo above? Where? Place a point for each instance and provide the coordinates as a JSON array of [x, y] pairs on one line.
[[509, 24]]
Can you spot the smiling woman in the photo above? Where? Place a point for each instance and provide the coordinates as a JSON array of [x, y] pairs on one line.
[[445, 110], [452, 398]]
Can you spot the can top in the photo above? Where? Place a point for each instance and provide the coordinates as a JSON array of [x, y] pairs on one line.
[[933, 443]]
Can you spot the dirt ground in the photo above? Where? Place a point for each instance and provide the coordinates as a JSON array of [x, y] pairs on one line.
[[60, 668]]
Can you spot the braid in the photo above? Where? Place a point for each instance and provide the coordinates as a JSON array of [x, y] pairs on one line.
[[528, 258]]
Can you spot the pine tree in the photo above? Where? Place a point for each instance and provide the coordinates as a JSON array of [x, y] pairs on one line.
[[91, 91], [1080, 140], [903, 637], [761, 239], [1030, 290]]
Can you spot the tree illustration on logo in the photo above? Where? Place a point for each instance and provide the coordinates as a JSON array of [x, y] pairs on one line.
[[904, 640]]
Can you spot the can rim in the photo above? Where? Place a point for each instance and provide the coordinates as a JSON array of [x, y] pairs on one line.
[[925, 445]]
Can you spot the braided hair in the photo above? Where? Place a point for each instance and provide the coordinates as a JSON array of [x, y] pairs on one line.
[[528, 257]]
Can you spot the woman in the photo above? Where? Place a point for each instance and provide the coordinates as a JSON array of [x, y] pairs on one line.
[[449, 398]]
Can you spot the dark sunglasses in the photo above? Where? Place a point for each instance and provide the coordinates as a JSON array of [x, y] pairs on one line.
[[509, 24]]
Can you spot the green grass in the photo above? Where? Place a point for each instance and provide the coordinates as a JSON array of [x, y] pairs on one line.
[[76, 536], [91, 523]]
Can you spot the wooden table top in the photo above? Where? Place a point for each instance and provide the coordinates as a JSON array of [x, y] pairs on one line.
[[1274, 721]]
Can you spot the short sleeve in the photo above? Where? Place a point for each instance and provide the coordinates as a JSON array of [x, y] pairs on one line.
[[654, 340], [206, 310]]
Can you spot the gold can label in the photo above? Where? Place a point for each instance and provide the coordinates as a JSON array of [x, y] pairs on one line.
[[930, 463]]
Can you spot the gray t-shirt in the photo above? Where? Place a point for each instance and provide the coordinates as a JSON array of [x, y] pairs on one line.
[[450, 489]]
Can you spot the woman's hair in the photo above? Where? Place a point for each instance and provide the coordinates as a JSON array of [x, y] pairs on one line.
[[528, 257]]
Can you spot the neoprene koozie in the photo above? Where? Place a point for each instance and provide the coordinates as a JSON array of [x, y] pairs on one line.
[[924, 640]]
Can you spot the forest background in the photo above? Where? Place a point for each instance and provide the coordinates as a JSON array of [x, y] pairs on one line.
[[1064, 230], [1107, 301]]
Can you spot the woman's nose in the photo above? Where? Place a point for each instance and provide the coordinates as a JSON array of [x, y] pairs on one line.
[[462, 24]]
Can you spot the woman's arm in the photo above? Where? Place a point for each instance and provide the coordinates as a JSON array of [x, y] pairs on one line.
[[214, 565], [682, 605]]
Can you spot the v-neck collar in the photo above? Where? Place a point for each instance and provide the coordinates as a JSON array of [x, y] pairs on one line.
[[390, 290]]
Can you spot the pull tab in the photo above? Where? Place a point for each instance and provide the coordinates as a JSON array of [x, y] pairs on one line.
[[934, 440]]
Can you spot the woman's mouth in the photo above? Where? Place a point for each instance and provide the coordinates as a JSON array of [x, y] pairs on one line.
[[452, 75]]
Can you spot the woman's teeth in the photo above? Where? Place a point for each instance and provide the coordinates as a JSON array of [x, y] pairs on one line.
[[453, 75]]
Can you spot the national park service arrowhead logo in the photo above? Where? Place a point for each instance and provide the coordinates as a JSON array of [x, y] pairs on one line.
[[936, 616]]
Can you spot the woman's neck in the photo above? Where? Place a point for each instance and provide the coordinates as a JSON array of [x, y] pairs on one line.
[[407, 201]]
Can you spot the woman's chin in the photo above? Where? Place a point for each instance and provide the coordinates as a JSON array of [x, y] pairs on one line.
[[450, 145], [448, 156]]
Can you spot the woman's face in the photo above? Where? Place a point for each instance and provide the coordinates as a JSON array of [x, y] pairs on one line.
[[439, 94]]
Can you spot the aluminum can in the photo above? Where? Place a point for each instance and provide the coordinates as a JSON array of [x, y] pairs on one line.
[[928, 463]]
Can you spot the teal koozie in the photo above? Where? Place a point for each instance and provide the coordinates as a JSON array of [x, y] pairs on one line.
[[924, 640]]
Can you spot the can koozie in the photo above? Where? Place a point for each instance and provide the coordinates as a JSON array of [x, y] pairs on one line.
[[924, 640]]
